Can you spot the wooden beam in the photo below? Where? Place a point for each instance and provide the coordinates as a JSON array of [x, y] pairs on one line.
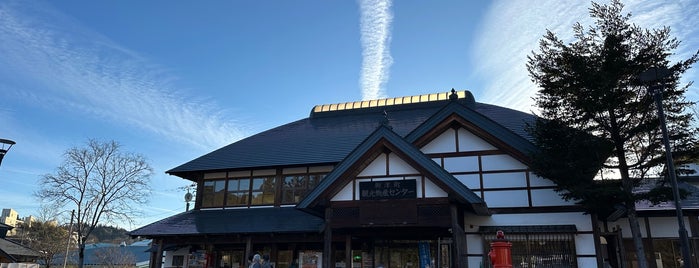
[[328, 238], [459, 238]]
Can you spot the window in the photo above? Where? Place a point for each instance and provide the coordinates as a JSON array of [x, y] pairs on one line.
[[296, 187], [178, 260], [540, 249], [213, 194], [259, 187], [263, 191], [668, 252], [238, 192], [293, 188]]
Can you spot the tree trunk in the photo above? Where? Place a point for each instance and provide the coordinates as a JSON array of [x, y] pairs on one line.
[[637, 239], [81, 255], [627, 186]]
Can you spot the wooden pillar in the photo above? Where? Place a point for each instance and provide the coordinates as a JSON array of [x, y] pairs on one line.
[[693, 233], [596, 238], [348, 251], [648, 245], [158, 261], [328, 239], [248, 250], [621, 247], [459, 238]]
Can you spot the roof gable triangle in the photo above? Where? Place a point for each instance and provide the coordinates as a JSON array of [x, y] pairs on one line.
[[455, 112], [385, 135]]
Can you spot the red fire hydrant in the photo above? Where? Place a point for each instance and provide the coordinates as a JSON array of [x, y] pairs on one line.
[[500, 251]]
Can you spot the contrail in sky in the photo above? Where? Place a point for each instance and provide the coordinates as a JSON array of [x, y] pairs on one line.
[[375, 31]]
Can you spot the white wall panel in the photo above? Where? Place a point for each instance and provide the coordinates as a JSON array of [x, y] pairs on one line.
[[320, 169], [535, 180], [238, 174], [585, 244], [444, 143], [474, 243], [548, 197], [376, 168], [623, 223], [660, 227], [397, 166], [296, 170], [496, 199], [345, 194], [500, 162], [666, 226], [587, 262], [476, 262], [264, 172], [472, 181], [504, 180], [580, 220], [469, 142], [216, 175], [432, 190], [461, 164]]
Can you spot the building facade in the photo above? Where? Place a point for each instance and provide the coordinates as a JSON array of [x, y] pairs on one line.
[[417, 181]]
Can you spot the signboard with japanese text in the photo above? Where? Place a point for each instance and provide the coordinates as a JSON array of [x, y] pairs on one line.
[[394, 189]]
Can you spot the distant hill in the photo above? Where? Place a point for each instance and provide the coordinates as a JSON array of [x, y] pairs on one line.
[[109, 234]]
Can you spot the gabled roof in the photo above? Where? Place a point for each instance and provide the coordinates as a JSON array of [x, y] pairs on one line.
[[328, 137], [517, 140], [456, 189], [226, 221], [13, 251]]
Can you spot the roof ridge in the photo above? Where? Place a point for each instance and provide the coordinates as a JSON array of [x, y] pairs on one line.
[[430, 97]]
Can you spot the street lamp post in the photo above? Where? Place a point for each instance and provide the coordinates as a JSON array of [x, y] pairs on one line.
[[656, 74], [5, 146]]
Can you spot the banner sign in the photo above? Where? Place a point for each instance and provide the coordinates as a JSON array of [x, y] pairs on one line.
[[424, 254]]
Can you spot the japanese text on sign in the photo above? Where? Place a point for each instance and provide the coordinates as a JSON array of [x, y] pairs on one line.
[[397, 189]]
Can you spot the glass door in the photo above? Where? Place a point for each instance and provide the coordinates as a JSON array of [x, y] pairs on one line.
[[232, 259]]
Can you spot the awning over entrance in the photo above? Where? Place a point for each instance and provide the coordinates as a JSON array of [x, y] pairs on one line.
[[233, 221]]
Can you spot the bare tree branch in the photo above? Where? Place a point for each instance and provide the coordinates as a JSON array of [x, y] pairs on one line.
[[102, 184]]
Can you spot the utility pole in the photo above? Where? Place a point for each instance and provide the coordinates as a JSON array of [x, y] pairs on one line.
[[70, 237], [657, 74]]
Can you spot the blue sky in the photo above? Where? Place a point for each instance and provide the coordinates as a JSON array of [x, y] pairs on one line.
[[173, 80]]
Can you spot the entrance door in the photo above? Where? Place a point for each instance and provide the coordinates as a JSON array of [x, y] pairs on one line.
[[401, 254], [232, 259], [444, 256]]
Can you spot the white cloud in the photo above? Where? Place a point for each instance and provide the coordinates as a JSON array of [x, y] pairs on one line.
[[511, 30], [52, 59], [375, 23]]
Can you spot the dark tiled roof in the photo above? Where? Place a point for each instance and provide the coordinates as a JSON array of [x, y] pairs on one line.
[[14, 250], [691, 202], [459, 190], [107, 255], [328, 137], [227, 221]]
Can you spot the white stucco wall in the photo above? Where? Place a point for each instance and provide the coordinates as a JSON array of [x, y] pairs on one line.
[[584, 242], [660, 227], [443, 143], [469, 142]]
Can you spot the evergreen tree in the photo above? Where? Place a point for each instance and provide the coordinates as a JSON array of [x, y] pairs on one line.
[[591, 88]]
